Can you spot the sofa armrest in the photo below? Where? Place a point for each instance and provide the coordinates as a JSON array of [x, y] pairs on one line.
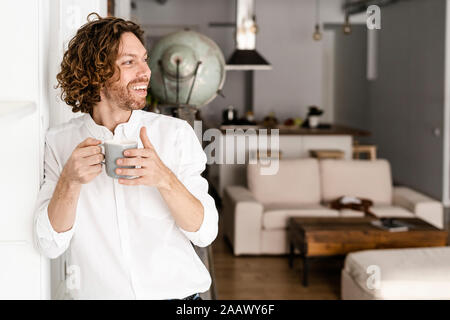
[[421, 205], [242, 217]]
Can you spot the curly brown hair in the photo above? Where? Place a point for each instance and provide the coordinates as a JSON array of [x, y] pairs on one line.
[[90, 60]]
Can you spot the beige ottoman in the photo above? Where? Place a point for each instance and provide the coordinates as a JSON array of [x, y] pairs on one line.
[[414, 273]]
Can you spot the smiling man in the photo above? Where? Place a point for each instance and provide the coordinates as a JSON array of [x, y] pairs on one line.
[[123, 238]]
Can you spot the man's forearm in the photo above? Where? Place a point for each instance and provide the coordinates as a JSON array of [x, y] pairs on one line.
[[186, 209], [63, 205]]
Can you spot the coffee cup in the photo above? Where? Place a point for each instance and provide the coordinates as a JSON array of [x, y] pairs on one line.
[[113, 150]]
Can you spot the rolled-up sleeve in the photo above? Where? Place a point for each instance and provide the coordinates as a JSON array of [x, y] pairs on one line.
[[49, 242], [192, 162]]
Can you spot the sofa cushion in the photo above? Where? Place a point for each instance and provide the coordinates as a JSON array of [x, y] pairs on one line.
[[391, 211], [289, 206], [358, 178], [297, 182], [414, 273], [278, 219], [382, 211]]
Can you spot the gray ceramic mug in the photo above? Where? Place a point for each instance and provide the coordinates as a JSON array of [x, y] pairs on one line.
[[113, 151]]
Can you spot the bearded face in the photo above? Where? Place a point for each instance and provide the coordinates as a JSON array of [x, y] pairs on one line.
[[128, 96], [127, 89]]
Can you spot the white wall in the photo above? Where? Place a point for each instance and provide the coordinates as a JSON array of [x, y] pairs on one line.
[[20, 267], [301, 66], [18, 63], [286, 41], [34, 34]]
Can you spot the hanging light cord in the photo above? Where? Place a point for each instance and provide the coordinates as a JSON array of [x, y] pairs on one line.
[[317, 34], [317, 11]]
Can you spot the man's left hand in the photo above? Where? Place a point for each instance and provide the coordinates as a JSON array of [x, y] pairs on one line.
[[152, 171]]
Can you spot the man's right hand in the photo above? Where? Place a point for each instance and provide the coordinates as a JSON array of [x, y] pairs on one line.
[[85, 162]]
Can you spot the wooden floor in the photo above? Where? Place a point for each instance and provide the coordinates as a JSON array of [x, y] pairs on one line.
[[269, 277]]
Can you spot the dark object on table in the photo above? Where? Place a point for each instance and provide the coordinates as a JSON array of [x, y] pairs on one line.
[[270, 121], [289, 122], [390, 224], [250, 117], [353, 203], [229, 116], [313, 111], [360, 204]]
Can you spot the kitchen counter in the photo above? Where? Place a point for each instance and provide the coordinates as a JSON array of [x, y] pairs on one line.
[[288, 130]]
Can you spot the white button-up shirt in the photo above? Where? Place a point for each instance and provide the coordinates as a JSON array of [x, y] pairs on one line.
[[124, 243]]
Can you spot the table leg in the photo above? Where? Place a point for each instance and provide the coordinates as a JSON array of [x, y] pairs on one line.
[[305, 270], [291, 254]]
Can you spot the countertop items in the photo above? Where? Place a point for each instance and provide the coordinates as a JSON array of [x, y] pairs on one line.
[[322, 129]]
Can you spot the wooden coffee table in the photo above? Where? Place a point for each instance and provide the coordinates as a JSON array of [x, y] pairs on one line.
[[326, 237]]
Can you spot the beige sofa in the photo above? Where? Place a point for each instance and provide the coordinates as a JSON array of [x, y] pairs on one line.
[[255, 217]]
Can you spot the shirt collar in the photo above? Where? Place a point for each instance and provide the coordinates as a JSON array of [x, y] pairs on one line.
[[103, 133]]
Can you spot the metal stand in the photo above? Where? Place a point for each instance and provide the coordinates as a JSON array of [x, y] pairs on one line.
[[163, 77], [183, 111]]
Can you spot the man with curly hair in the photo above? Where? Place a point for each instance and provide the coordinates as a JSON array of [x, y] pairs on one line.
[[123, 238]]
